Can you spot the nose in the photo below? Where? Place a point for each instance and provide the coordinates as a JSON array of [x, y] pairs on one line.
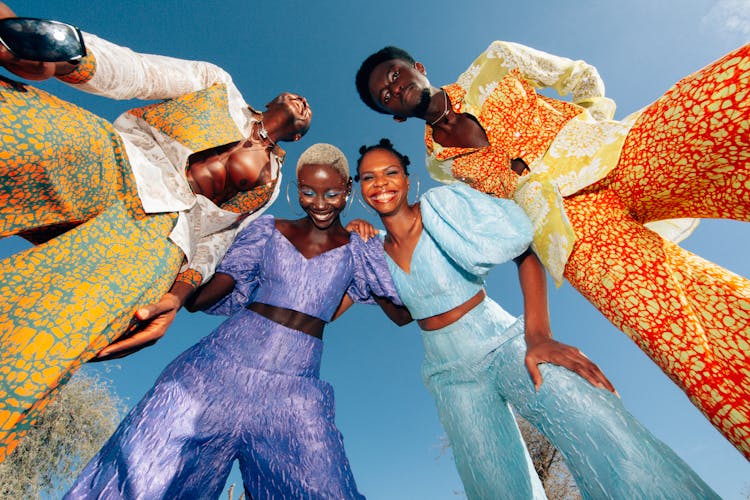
[[379, 180], [395, 88], [319, 202]]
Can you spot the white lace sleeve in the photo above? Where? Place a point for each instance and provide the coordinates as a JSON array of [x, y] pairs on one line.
[[124, 74], [566, 76]]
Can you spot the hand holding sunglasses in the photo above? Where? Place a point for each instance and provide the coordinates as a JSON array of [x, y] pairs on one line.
[[37, 49], [41, 40]]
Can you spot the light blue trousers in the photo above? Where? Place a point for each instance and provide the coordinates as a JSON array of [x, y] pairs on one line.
[[475, 369]]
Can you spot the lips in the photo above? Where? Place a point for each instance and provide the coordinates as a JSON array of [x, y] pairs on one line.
[[383, 197], [322, 216]]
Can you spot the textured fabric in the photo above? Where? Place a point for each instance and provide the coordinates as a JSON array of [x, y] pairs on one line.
[[484, 231], [687, 155], [63, 301], [475, 368], [248, 391], [202, 109], [567, 146]]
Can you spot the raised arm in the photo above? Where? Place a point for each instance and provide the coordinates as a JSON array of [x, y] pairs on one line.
[[120, 73], [576, 78]]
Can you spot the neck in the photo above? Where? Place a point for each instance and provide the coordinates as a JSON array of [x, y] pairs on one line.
[[439, 109], [273, 126], [401, 224], [317, 233]]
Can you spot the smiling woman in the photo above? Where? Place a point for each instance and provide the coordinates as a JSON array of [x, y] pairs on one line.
[[477, 356], [251, 390]]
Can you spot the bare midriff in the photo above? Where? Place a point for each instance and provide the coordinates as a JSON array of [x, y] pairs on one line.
[[448, 317]]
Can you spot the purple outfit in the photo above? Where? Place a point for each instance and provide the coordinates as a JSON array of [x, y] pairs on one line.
[[250, 390]]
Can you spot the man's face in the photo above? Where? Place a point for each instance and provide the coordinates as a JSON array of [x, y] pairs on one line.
[[296, 107], [400, 88]]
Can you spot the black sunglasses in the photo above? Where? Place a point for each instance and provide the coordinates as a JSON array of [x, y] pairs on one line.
[[41, 39]]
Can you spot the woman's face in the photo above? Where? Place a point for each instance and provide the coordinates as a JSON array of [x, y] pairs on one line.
[[383, 182], [322, 193]]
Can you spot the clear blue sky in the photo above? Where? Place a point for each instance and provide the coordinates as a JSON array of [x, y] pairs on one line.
[[391, 431]]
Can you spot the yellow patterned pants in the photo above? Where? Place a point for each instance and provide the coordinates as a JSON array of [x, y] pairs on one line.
[[64, 300], [687, 156]]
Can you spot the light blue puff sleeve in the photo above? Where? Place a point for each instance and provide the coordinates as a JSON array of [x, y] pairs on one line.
[[242, 262], [371, 277], [475, 230]]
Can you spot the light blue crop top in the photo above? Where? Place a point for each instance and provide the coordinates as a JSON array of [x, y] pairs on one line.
[[465, 234]]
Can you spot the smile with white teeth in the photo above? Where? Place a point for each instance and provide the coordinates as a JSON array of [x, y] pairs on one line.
[[322, 215], [384, 197]]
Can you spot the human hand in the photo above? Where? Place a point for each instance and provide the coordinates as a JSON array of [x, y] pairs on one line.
[[363, 228], [151, 324], [548, 350], [27, 69]]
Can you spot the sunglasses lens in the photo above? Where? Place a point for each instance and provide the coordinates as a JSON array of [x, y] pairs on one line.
[[41, 40]]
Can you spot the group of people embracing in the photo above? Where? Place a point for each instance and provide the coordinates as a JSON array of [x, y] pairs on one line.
[[162, 209]]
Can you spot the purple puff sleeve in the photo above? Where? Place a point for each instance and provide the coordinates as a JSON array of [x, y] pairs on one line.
[[371, 277], [242, 262]]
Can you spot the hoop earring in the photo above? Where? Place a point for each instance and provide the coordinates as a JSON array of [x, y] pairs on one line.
[[368, 208], [294, 210], [416, 199], [349, 203]]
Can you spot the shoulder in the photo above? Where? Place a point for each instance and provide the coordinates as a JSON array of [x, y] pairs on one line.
[[361, 249], [263, 225]]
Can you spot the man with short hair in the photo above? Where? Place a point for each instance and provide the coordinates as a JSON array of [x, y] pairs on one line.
[[591, 185], [120, 212]]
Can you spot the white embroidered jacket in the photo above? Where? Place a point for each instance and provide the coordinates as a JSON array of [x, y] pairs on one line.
[[158, 158]]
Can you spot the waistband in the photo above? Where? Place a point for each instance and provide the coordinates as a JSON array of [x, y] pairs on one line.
[[290, 318]]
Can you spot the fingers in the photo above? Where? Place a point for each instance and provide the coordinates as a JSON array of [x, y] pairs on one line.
[[364, 229], [107, 354], [126, 346], [568, 357], [577, 362], [31, 70], [145, 337], [166, 303], [536, 376]]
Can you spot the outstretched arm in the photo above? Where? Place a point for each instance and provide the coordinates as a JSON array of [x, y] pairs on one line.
[[567, 76], [151, 324], [155, 319], [398, 314], [540, 346]]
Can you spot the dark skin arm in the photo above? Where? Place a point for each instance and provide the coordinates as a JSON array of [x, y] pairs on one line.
[[219, 286], [398, 314], [154, 319], [151, 324], [540, 346]]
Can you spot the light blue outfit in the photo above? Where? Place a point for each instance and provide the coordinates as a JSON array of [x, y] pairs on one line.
[[475, 368]]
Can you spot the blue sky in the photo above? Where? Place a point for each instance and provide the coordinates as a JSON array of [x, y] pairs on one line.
[[391, 431]]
